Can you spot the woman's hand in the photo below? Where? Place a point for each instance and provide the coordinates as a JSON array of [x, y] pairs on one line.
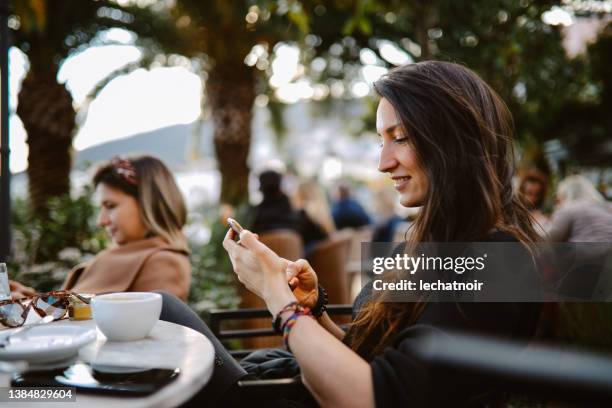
[[19, 290], [303, 281], [259, 269]]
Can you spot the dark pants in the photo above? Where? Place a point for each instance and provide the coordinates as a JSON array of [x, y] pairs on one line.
[[227, 371]]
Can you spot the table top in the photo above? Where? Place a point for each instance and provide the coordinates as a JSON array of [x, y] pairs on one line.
[[168, 346]]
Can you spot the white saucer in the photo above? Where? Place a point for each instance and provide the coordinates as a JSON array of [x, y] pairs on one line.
[[46, 343]]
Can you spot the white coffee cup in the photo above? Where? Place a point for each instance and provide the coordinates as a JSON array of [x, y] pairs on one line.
[[126, 316]]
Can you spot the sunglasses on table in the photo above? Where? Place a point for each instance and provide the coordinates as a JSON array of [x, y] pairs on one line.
[[13, 313]]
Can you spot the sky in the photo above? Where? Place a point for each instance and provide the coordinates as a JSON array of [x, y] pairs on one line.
[[150, 99], [140, 101]]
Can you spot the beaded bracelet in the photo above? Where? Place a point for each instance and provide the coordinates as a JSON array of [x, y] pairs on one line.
[[321, 306], [290, 322]]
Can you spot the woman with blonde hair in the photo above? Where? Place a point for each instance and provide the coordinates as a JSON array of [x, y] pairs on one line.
[[582, 214], [143, 211], [316, 222], [311, 198]]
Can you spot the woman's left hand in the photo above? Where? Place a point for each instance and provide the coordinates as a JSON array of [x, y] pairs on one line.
[[259, 269], [18, 290]]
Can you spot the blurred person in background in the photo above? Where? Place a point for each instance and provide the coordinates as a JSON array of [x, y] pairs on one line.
[[275, 211], [533, 186], [347, 212], [582, 214], [143, 211], [315, 216], [390, 216]]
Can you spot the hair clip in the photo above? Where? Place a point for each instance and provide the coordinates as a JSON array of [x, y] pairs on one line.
[[125, 169]]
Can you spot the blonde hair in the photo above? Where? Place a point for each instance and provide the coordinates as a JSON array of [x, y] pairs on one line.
[[578, 187], [311, 198], [162, 207]]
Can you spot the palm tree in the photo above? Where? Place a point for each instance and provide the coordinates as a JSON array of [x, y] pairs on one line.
[[220, 34], [49, 31]]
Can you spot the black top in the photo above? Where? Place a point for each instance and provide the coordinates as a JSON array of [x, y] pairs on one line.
[[311, 231], [275, 213], [348, 213], [401, 380]]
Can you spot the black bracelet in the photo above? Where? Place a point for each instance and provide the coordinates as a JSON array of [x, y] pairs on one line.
[[321, 306]]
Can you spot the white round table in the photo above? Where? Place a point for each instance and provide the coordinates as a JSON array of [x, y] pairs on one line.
[[168, 346]]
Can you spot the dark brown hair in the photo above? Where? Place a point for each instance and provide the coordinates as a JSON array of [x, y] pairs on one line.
[[462, 133]]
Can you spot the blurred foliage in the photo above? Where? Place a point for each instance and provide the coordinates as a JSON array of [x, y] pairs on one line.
[[213, 284], [232, 45], [584, 124], [550, 95], [46, 248], [506, 42], [213, 281]]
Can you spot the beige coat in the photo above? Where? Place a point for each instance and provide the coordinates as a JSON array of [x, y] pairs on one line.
[[145, 265]]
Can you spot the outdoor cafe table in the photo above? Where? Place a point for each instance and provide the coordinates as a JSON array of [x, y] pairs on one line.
[[168, 346]]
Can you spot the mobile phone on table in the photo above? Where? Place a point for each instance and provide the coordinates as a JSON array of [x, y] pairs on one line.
[[98, 378], [235, 226]]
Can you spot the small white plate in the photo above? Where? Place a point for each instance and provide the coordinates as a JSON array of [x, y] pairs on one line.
[[46, 343]]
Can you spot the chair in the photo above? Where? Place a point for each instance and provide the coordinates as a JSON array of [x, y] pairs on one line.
[[544, 372], [287, 244], [329, 260], [353, 267], [218, 317]]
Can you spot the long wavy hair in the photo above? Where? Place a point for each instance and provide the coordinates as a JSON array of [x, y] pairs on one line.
[[161, 204], [462, 133]]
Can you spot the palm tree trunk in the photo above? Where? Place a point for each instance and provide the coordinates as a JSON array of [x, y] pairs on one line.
[[423, 22], [45, 108], [230, 90]]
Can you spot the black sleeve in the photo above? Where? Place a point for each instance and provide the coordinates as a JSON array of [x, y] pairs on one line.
[[400, 379]]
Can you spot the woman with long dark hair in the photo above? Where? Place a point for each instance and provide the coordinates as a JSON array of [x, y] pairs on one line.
[[446, 141]]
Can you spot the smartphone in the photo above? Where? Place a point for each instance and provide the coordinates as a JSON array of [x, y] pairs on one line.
[[97, 378], [234, 225]]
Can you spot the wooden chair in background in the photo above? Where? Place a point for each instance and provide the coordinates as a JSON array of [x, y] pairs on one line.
[[353, 262], [329, 260]]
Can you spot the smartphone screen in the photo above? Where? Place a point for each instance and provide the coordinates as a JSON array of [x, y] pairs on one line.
[[99, 378]]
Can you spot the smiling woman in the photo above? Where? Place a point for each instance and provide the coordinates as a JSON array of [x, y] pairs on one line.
[[398, 157], [446, 141], [447, 144], [143, 211]]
